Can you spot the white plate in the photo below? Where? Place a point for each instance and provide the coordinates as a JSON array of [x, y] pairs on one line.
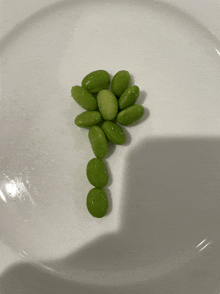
[[162, 231]]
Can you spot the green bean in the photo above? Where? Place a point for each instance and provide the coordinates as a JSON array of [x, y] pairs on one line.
[[84, 98], [114, 132], [97, 173], [129, 97], [97, 202], [98, 141], [88, 119], [130, 115], [107, 104], [120, 82], [96, 81]]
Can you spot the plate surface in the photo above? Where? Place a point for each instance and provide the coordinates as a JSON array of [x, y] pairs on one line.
[[163, 225]]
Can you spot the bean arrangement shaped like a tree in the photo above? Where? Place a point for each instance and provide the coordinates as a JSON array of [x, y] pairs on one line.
[[105, 111]]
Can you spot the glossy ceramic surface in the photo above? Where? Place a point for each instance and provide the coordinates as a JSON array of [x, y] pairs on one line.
[[162, 232]]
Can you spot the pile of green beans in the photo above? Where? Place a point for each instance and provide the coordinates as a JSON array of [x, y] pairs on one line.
[[105, 111]]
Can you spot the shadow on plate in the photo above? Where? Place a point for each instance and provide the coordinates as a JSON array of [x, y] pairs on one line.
[[170, 205]]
